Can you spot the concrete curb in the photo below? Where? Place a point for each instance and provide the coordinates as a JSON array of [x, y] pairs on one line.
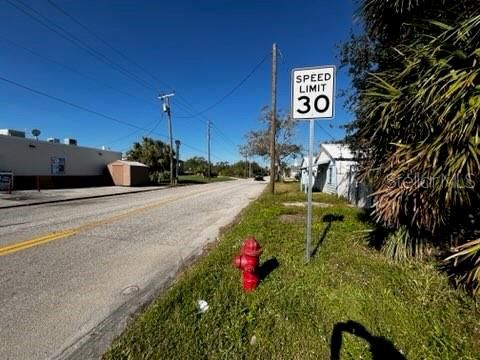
[[80, 198]]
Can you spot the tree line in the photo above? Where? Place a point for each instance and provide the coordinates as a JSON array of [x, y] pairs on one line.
[[156, 154]]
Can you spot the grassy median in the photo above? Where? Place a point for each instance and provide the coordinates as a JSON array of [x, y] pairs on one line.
[[349, 302]]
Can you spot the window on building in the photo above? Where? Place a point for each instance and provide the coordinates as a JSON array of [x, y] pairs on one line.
[[330, 175]]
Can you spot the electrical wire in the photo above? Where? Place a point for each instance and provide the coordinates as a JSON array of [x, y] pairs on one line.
[[235, 88], [79, 43], [93, 112], [187, 105], [59, 30], [74, 71], [118, 52], [99, 38], [156, 123], [322, 128], [66, 102]]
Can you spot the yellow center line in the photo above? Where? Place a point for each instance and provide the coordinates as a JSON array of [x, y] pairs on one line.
[[26, 244]]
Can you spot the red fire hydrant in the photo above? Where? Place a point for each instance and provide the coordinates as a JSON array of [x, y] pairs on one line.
[[248, 261]]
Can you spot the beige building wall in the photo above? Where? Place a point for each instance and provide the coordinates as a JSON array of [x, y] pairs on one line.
[[128, 173], [30, 157]]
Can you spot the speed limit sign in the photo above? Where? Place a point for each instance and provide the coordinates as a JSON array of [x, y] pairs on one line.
[[313, 97], [313, 92]]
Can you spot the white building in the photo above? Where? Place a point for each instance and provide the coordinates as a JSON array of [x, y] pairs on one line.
[[334, 170], [52, 163], [335, 163]]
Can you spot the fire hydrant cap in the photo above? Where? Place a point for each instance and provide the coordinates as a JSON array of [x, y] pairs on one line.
[[251, 247]]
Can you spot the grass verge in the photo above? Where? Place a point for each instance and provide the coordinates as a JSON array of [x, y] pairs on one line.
[[197, 179], [349, 302]]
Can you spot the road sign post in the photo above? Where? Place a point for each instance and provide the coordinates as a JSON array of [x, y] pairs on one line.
[[313, 97]]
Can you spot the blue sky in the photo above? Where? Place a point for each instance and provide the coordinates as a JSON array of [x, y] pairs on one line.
[[201, 49]]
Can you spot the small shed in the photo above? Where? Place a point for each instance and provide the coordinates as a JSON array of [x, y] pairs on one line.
[[128, 173]]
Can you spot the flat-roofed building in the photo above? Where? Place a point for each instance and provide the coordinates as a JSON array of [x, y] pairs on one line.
[[54, 164]]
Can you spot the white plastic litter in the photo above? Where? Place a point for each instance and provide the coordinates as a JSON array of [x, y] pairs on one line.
[[202, 305]]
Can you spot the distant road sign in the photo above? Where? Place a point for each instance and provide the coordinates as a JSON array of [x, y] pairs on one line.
[[313, 92]]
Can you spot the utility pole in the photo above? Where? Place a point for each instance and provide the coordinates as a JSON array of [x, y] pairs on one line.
[[166, 108], [177, 160], [209, 126], [273, 122], [246, 166]]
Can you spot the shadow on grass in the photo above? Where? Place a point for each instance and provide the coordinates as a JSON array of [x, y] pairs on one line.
[[380, 347], [377, 235], [365, 217], [327, 218], [192, 182], [267, 267]]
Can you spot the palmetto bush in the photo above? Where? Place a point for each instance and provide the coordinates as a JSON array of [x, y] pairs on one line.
[[419, 130], [464, 265], [401, 244], [433, 103]]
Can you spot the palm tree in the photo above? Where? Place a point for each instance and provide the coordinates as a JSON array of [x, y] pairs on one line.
[[154, 153]]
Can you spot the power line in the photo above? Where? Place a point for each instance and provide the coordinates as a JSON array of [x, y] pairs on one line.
[[60, 31], [322, 128], [151, 131], [235, 88], [38, 92], [156, 123], [81, 44], [128, 59], [103, 58], [83, 108], [120, 53], [73, 70], [98, 37]]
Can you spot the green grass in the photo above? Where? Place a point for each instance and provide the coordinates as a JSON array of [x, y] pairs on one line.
[[294, 311], [197, 179]]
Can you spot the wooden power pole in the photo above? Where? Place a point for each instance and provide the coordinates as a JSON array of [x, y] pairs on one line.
[[166, 108], [209, 127], [273, 122], [177, 160]]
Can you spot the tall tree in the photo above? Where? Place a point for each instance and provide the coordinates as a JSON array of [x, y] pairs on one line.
[[151, 152], [258, 141], [196, 165]]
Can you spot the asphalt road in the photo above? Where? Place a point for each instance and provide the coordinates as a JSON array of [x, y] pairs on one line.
[[72, 273]]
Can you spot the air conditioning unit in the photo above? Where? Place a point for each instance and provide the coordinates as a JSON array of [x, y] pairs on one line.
[[69, 141], [53, 140]]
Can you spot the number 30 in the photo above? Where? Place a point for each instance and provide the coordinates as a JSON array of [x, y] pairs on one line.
[[306, 104]]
